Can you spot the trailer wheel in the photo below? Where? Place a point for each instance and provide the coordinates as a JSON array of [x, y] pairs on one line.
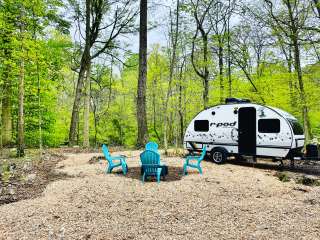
[[219, 155]]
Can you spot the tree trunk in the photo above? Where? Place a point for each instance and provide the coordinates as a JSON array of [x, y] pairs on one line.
[[289, 60], [229, 53], [220, 56], [305, 111], [172, 66], [206, 71], [84, 65], [259, 70], [297, 64], [20, 148], [180, 111], [94, 111], [86, 112], [154, 89], [204, 75], [293, 102], [76, 103], [142, 81], [6, 114], [6, 108]]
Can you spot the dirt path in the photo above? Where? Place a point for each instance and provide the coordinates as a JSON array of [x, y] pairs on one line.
[[226, 202]]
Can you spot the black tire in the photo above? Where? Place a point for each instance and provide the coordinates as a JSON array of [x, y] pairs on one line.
[[219, 155]]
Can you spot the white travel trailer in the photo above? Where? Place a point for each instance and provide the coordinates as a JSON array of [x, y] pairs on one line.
[[240, 128]]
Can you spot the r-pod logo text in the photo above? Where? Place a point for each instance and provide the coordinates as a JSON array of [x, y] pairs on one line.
[[225, 124]]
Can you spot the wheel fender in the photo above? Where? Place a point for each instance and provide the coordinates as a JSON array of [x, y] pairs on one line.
[[221, 149]]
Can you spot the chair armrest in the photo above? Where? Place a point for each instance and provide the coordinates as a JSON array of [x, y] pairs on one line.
[[119, 160], [193, 157]]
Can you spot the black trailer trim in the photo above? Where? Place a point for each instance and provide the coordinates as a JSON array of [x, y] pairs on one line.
[[225, 144], [235, 145], [298, 139], [270, 146]]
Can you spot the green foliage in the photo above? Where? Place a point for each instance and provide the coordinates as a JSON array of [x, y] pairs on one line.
[[36, 32], [309, 181], [27, 35], [283, 177]]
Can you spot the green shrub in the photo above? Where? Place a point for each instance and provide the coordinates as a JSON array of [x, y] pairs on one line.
[[308, 181], [283, 177]]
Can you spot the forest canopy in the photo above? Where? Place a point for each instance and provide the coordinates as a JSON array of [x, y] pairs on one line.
[[69, 73]]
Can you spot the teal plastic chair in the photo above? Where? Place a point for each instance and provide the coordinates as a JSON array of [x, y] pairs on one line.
[[151, 165], [153, 146], [196, 165], [114, 161]]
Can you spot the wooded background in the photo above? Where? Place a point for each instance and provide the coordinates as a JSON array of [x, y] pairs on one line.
[[68, 75]]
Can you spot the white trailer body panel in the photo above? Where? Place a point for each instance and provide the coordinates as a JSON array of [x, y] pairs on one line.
[[218, 126]]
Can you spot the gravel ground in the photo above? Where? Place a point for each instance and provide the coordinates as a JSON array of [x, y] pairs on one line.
[[226, 202]]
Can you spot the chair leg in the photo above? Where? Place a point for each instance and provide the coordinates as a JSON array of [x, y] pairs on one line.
[[143, 177], [200, 169], [158, 177], [124, 168], [185, 169], [109, 169]]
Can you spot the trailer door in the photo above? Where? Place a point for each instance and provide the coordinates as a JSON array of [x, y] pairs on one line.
[[247, 142]]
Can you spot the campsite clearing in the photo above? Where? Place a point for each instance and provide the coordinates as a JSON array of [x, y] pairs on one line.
[[227, 202]]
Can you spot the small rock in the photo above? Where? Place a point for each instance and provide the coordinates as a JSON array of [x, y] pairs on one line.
[[27, 166], [31, 177], [60, 166], [311, 201], [30, 214], [12, 167], [11, 190]]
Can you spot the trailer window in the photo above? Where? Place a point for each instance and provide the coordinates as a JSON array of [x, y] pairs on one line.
[[201, 125], [296, 127], [269, 125]]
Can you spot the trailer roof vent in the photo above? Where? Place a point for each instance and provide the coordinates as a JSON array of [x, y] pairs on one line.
[[237, 100]]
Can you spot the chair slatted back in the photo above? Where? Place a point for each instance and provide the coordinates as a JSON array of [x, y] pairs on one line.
[[153, 146], [150, 161], [106, 153]]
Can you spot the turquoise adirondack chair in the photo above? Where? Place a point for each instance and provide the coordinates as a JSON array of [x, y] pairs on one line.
[[196, 165], [151, 165], [153, 146], [114, 161]]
